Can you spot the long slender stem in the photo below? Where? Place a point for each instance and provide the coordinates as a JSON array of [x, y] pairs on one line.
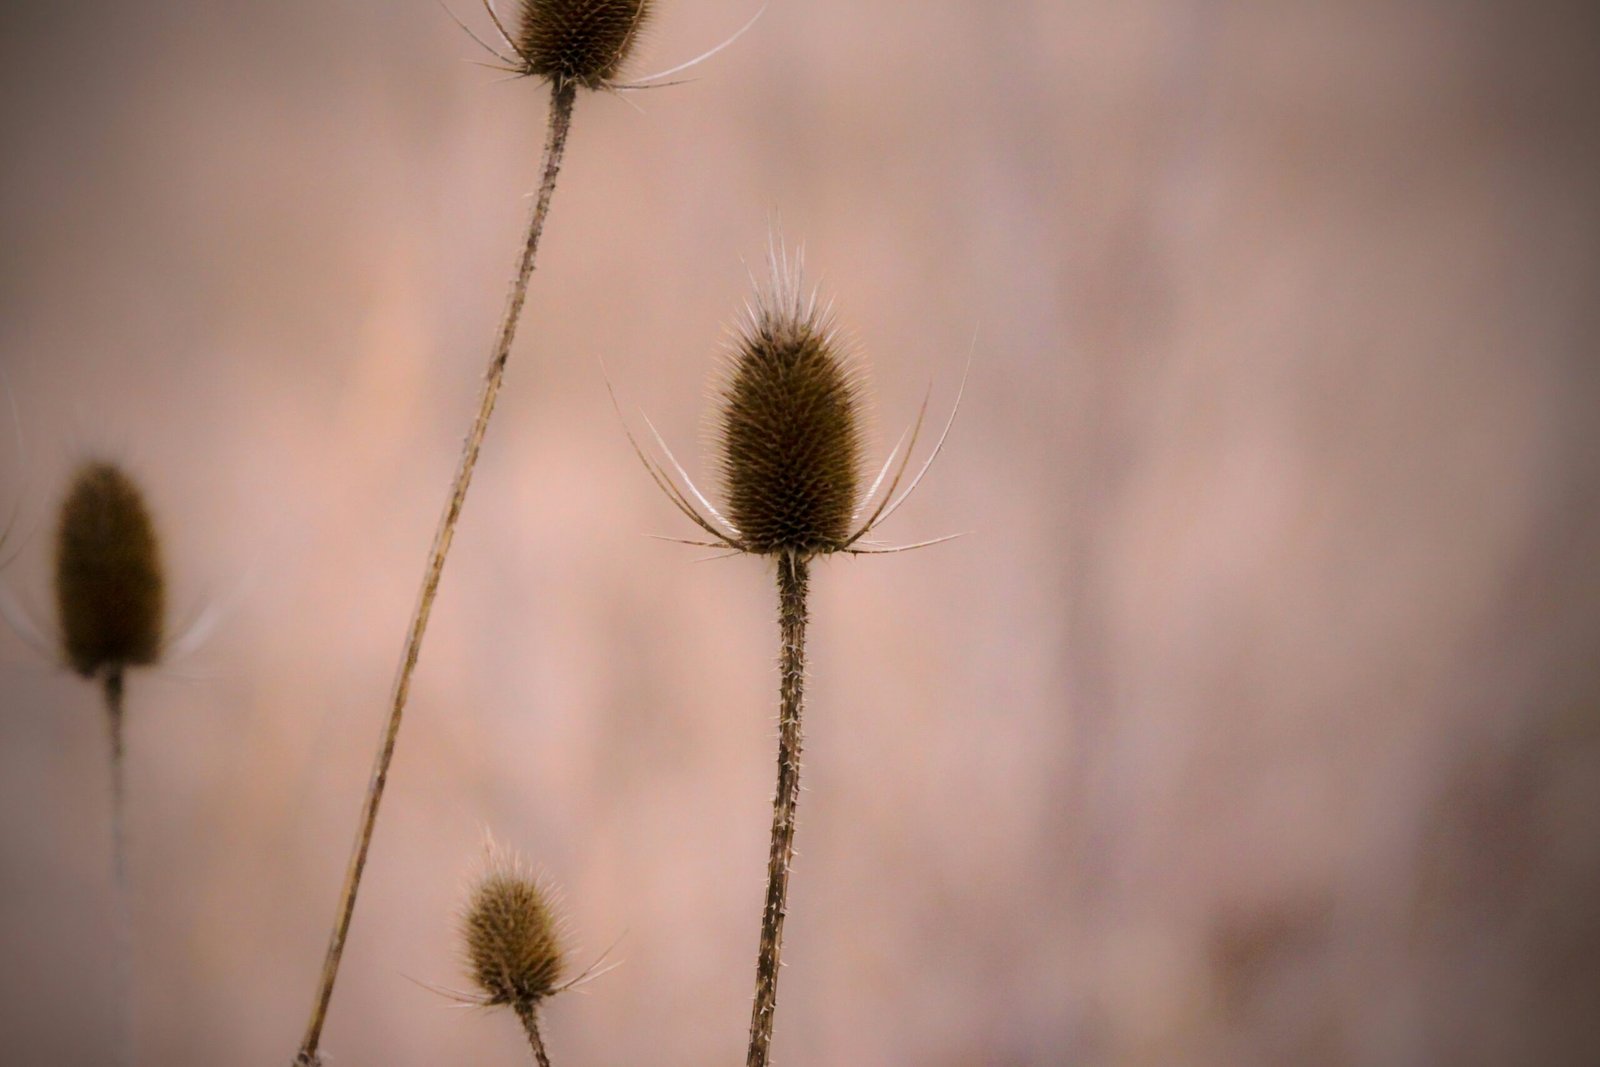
[[561, 101], [119, 865], [792, 581], [530, 1026]]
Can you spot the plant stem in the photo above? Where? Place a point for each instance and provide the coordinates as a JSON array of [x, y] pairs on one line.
[[529, 1015], [561, 101], [792, 581], [119, 863]]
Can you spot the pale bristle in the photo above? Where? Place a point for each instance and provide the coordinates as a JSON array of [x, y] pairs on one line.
[[512, 937], [790, 426], [108, 582], [584, 42]]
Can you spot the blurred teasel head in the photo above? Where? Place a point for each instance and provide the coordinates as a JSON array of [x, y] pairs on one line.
[[110, 596]]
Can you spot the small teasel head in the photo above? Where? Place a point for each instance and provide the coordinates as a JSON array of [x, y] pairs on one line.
[[582, 42], [789, 426], [512, 935], [110, 595]]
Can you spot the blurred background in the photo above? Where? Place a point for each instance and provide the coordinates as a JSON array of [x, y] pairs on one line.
[[1254, 721]]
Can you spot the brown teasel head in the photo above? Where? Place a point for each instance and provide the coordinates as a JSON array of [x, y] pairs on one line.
[[108, 582], [512, 936], [583, 42], [789, 430]]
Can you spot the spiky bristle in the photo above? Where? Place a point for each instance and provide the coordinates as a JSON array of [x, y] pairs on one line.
[[579, 41], [512, 936], [789, 432], [108, 582]]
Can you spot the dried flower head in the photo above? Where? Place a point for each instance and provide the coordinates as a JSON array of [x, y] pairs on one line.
[[789, 436], [789, 428], [108, 581], [512, 936], [582, 42]]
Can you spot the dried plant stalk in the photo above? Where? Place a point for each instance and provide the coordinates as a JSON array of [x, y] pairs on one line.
[[529, 1014], [792, 587], [562, 98], [119, 861]]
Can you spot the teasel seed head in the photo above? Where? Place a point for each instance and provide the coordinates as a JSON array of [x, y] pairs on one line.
[[110, 594], [787, 436], [584, 42], [513, 936], [789, 428]]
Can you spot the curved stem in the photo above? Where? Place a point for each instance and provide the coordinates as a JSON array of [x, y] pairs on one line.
[[530, 1026], [561, 101], [119, 863], [792, 581]]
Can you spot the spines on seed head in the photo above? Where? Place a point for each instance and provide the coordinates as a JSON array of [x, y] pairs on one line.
[[110, 594], [512, 935], [789, 432], [582, 42]]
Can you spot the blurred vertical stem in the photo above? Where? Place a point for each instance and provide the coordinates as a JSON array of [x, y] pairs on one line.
[[792, 584], [119, 863], [561, 101]]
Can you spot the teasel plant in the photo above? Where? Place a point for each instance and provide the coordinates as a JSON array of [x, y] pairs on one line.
[[788, 439], [571, 45], [111, 605], [110, 592], [514, 941]]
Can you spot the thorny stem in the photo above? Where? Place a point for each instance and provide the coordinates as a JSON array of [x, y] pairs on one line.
[[792, 580], [529, 1014], [561, 101], [119, 863]]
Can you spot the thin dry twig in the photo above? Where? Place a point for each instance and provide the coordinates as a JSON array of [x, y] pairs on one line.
[[561, 104]]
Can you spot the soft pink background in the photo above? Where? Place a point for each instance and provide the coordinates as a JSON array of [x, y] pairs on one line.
[[1254, 722]]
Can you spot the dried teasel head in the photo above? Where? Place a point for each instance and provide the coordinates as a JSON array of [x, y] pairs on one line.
[[513, 936], [108, 579], [789, 437], [581, 42], [789, 426]]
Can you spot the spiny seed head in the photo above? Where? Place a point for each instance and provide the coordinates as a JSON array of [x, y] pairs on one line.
[[512, 935], [109, 591], [579, 41], [789, 433]]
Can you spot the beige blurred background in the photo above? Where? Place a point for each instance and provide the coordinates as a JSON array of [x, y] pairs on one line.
[[1254, 721]]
